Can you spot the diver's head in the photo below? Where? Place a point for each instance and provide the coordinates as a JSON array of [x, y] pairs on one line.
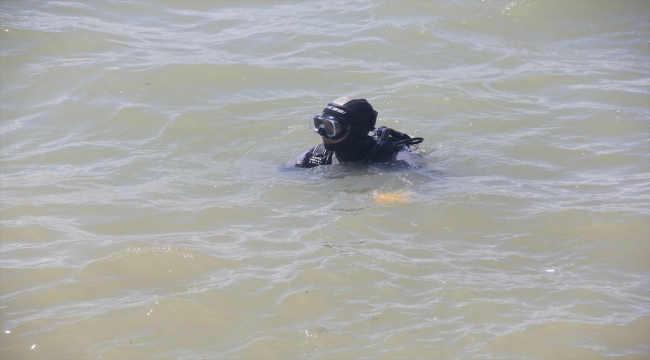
[[344, 122]]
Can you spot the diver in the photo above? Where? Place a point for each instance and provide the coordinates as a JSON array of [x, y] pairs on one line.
[[344, 126]]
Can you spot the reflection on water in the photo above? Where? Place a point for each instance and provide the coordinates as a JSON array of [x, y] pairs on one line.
[[147, 208]]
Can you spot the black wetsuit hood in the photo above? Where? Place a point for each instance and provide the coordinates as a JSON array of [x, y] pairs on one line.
[[360, 117]]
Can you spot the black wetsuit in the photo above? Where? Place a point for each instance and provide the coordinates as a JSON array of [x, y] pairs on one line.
[[371, 150]]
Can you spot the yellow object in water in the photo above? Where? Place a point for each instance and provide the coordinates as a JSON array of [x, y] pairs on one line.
[[390, 198]]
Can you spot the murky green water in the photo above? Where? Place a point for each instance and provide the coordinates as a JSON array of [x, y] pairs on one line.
[[147, 211]]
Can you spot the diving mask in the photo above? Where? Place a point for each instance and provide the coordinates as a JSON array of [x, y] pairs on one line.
[[328, 126]]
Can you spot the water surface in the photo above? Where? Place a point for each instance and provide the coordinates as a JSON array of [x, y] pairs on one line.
[[147, 210]]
